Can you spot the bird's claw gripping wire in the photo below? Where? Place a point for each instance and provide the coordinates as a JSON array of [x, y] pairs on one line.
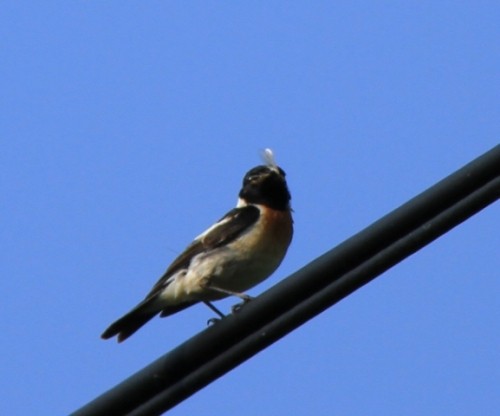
[[239, 306]]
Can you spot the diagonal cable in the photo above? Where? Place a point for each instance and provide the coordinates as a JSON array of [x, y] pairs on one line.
[[322, 283]]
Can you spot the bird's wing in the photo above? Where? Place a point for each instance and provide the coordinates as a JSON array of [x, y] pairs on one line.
[[228, 228]]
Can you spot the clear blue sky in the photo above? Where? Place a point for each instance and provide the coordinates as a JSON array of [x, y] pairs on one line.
[[126, 128]]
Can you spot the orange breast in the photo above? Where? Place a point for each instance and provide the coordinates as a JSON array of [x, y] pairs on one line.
[[268, 239], [278, 226], [257, 253]]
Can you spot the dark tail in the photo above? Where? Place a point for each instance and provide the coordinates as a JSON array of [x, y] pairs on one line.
[[132, 321], [137, 317]]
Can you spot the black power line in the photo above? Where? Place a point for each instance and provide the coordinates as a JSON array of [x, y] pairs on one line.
[[322, 283]]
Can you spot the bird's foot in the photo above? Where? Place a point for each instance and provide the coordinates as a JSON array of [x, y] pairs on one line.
[[212, 321], [239, 306]]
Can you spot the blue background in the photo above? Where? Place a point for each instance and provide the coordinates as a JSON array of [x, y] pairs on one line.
[[126, 128]]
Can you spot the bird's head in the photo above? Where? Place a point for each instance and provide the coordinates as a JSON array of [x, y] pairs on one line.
[[266, 185]]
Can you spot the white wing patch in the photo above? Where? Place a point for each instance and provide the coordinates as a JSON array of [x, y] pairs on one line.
[[213, 227]]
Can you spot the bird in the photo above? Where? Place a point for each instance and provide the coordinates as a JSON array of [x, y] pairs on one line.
[[239, 251]]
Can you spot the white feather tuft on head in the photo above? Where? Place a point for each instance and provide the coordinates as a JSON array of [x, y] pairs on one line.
[[268, 158]]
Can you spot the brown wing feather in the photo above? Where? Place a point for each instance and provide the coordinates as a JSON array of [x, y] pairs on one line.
[[230, 226]]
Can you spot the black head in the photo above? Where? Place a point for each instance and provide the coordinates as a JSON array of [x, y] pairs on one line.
[[267, 186]]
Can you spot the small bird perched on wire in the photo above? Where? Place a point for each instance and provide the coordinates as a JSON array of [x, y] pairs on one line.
[[239, 251]]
